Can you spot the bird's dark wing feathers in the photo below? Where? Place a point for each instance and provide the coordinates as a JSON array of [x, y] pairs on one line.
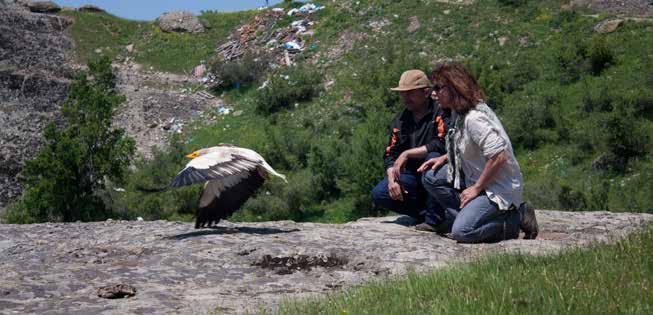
[[229, 201], [191, 175]]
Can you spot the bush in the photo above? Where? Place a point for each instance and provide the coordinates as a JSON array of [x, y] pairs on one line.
[[243, 71], [563, 18], [619, 133], [512, 3], [571, 61], [147, 194], [600, 56], [633, 192], [295, 84], [63, 181], [578, 57], [528, 120], [362, 163]]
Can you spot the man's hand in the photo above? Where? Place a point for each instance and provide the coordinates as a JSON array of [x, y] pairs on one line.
[[394, 188], [468, 195], [400, 162], [396, 191], [433, 163]]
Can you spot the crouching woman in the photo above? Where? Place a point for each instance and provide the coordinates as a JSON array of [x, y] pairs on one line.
[[481, 185]]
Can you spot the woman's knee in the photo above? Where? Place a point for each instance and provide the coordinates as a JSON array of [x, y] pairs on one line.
[[462, 234]]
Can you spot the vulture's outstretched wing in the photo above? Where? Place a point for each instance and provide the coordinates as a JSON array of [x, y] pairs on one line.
[[231, 175], [220, 200], [214, 166]]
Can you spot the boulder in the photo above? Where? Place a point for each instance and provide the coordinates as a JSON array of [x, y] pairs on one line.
[[414, 24], [90, 8], [180, 21], [43, 7], [608, 26]]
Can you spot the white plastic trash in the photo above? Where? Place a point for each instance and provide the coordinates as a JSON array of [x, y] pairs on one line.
[[292, 45]]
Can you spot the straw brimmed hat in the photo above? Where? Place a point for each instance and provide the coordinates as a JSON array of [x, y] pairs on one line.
[[412, 80]]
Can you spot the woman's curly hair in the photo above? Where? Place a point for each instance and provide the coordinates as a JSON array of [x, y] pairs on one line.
[[465, 91]]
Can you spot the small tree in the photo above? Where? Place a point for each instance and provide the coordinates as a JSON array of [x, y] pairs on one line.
[[62, 181]]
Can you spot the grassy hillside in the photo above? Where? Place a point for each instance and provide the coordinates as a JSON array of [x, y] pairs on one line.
[[577, 104], [604, 279], [173, 52]]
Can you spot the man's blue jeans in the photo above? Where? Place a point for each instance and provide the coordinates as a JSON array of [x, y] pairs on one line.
[[417, 203], [479, 221]]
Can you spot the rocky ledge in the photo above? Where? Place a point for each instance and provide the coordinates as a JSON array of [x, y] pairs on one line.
[[168, 267]]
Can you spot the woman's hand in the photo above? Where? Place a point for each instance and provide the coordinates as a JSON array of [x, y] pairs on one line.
[[433, 163], [469, 194]]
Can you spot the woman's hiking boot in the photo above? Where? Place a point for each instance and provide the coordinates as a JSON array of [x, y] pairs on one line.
[[528, 221], [440, 228], [425, 227]]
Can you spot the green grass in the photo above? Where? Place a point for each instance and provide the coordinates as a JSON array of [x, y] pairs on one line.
[[103, 31], [172, 52], [604, 279]]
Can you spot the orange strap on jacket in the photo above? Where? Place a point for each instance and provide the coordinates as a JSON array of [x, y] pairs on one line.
[[393, 141], [440, 123]]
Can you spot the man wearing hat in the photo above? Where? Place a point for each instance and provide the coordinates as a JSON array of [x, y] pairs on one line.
[[416, 133]]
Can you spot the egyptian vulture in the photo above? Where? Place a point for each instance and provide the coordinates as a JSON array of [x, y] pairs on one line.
[[230, 175]]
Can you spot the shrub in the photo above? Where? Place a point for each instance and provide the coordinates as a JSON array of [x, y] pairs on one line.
[[500, 79], [295, 84], [323, 164], [362, 162], [633, 192], [528, 120], [576, 58], [147, 194], [600, 56], [243, 71], [562, 18], [543, 191], [512, 3], [571, 57], [597, 99], [63, 181]]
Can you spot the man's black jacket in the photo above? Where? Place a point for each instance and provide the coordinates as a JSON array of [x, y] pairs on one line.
[[405, 133]]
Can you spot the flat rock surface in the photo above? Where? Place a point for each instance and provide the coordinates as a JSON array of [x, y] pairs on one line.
[[57, 268]]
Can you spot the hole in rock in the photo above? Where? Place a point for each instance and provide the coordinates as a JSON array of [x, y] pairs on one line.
[[289, 264]]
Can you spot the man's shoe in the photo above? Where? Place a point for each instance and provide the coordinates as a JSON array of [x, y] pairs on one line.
[[528, 221], [425, 227]]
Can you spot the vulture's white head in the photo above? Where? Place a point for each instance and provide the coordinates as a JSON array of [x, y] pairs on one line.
[[201, 152], [196, 154]]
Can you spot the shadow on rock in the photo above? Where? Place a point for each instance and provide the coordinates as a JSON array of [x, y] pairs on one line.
[[219, 230], [403, 220]]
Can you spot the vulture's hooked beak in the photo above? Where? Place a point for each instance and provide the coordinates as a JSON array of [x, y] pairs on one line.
[[193, 155]]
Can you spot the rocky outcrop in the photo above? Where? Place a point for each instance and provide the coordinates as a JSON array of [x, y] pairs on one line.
[[90, 8], [180, 21], [34, 79], [36, 68], [158, 105], [169, 267], [43, 6], [632, 8]]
